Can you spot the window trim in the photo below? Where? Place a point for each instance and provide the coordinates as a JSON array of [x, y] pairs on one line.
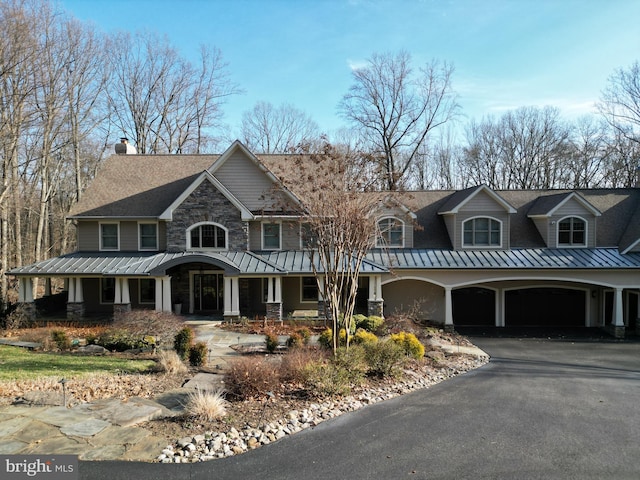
[[140, 247], [571, 244], [488, 246], [302, 299], [262, 243], [101, 237], [379, 239], [153, 282], [207, 249]]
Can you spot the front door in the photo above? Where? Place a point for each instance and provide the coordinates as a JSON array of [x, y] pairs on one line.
[[208, 293]]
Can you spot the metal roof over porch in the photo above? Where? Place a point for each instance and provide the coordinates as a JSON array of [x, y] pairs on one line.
[[298, 262], [529, 258]]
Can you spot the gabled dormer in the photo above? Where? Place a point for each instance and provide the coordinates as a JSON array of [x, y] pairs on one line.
[[565, 220], [395, 223], [477, 218]]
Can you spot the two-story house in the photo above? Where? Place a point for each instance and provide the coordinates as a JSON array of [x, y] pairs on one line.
[[202, 231]]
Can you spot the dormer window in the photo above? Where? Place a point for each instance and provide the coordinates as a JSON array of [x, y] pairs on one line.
[[271, 236], [572, 232], [482, 232], [390, 233], [208, 236]]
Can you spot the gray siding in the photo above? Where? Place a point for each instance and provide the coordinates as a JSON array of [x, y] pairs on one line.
[[290, 235], [88, 236], [246, 182], [450, 223], [482, 202], [542, 224], [128, 236]]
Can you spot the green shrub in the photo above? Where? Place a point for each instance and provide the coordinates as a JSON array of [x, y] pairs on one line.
[[272, 342], [359, 318], [363, 336], [371, 324], [325, 378], [384, 358], [182, 342], [410, 343], [198, 354], [305, 333], [354, 361], [61, 340], [119, 340], [326, 338]]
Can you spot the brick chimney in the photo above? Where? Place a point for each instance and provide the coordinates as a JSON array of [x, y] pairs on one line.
[[125, 148]]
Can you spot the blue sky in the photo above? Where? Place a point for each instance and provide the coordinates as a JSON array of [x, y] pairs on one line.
[[506, 54]]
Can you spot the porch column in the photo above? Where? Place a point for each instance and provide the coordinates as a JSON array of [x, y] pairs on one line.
[[25, 290], [617, 319], [47, 287], [158, 305], [274, 298], [166, 294], [75, 299], [25, 297], [375, 304], [448, 309], [122, 301], [231, 297]]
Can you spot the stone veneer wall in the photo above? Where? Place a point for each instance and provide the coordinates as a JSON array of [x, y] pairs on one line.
[[207, 204]]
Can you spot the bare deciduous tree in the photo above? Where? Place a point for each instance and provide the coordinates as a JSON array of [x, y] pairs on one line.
[[159, 99], [620, 101], [269, 129], [395, 110], [339, 227]]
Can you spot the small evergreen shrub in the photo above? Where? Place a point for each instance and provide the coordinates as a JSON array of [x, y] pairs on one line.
[[371, 324], [271, 340], [325, 378], [295, 340], [354, 361], [119, 340], [305, 333], [326, 338], [410, 343], [385, 359], [198, 354], [363, 336], [182, 342], [61, 339]]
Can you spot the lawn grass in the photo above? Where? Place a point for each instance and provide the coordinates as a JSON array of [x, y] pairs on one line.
[[20, 364]]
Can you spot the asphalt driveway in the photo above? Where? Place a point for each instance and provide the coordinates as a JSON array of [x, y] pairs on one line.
[[541, 409]]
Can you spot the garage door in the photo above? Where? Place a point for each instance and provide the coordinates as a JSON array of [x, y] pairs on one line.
[[546, 307], [474, 307]]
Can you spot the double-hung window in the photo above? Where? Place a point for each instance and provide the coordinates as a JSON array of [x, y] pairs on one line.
[[271, 236], [572, 232], [390, 233], [109, 236], [148, 236], [481, 232]]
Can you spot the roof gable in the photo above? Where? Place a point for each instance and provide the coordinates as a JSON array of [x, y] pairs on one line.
[[206, 176], [249, 180], [549, 205], [462, 198]]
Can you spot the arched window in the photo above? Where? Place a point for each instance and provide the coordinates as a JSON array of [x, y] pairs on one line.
[[572, 232], [390, 232], [481, 232], [207, 236]]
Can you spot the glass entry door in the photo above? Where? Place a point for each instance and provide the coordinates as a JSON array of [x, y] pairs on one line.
[[208, 293]]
